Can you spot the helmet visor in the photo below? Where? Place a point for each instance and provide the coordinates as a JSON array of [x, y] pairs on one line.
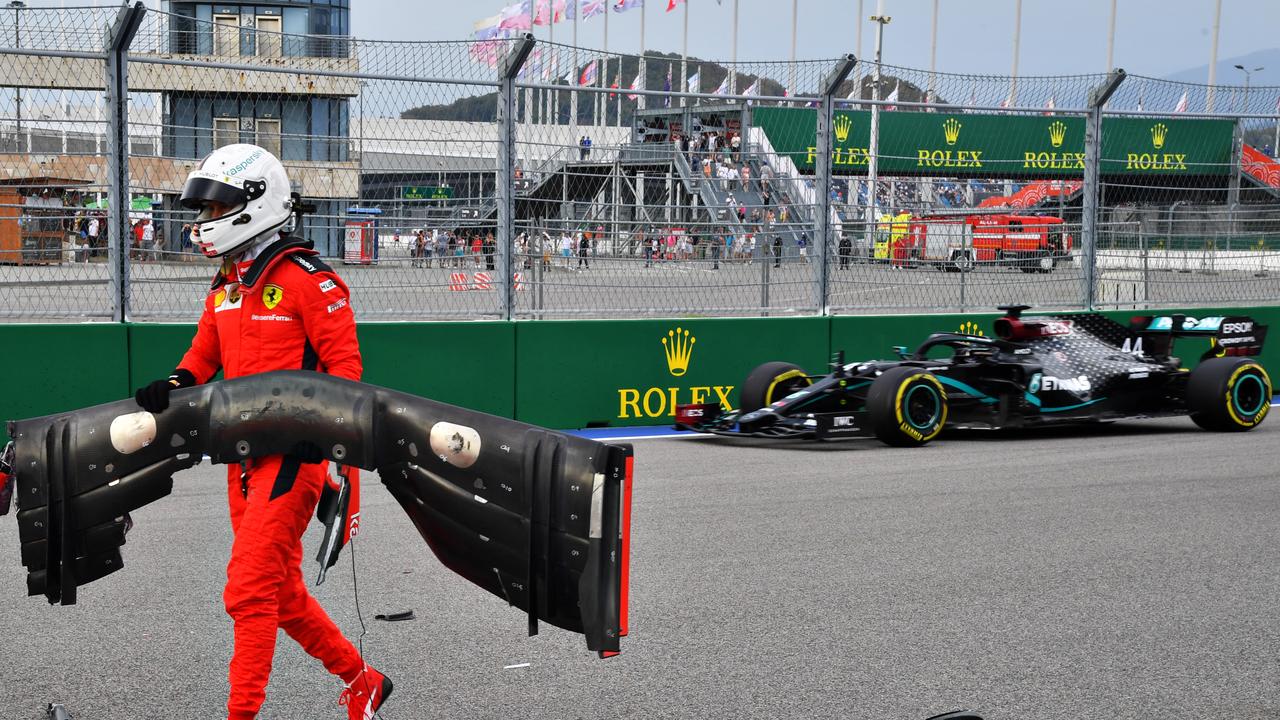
[[204, 187]]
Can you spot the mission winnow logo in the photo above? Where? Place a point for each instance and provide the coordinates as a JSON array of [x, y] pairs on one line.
[[677, 349]]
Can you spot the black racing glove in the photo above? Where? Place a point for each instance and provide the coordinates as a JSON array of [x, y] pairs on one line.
[[307, 452], [154, 398]]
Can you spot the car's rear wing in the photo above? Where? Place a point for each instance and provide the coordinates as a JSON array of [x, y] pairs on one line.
[[1235, 335]]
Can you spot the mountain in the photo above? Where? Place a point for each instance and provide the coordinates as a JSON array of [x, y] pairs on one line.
[[1268, 59]]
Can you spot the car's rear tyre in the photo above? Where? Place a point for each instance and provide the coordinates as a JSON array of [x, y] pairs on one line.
[[1229, 394], [906, 407], [771, 382]]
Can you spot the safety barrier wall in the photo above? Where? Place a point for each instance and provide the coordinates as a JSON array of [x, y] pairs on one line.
[[560, 374]]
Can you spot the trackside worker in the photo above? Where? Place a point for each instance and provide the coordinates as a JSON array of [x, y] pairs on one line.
[[273, 306]]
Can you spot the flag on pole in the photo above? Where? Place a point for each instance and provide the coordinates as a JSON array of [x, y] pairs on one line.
[[635, 85], [695, 81], [516, 17], [591, 8], [625, 5], [1050, 105], [753, 88], [588, 76], [973, 100], [671, 4], [1139, 103], [723, 87], [666, 88], [893, 97], [542, 12], [1182, 103], [563, 10], [484, 29], [614, 85], [568, 77]]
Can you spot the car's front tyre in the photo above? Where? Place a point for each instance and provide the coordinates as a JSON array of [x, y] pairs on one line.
[[1229, 394], [906, 407], [769, 383]]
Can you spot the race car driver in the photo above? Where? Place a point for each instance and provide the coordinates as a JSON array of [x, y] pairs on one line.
[[274, 305]]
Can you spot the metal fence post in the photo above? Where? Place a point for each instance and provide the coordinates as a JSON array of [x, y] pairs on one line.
[[1098, 97], [505, 190], [119, 37], [822, 178]]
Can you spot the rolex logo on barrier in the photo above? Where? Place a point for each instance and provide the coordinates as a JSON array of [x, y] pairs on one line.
[[971, 328], [1157, 161], [1158, 133], [656, 402], [679, 348], [1057, 133], [843, 124], [951, 130]]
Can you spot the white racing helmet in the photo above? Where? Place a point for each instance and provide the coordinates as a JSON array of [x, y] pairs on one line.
[[251, 192]]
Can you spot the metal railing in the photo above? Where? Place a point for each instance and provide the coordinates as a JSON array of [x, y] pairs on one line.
[[480, 180]]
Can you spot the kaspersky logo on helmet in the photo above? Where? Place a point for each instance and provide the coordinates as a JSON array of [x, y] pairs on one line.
[[654, 402], [245, 163]]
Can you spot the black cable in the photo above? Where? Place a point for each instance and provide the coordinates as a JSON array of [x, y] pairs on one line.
[[355, 590]]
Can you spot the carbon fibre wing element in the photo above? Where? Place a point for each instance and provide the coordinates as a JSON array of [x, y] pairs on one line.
[[536, 517]]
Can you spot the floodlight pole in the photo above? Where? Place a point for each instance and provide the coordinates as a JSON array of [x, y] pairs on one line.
[[1098, 97], [822, 177], [507, 71]]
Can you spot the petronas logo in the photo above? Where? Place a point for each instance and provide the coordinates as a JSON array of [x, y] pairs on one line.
[[842, 127]]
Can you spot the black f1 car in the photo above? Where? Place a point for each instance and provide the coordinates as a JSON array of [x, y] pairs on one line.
[[1035, 371]]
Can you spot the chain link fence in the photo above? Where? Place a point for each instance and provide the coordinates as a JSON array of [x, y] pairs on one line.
[[509, 178]]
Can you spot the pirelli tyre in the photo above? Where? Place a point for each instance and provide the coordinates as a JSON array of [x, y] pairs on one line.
[[771, 382], [906, 407], [1229, 394]]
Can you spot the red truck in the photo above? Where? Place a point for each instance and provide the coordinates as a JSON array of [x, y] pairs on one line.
[[1031, 243]]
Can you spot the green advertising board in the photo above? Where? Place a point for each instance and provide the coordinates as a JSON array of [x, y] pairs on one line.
[[426, 192], [971, 145]]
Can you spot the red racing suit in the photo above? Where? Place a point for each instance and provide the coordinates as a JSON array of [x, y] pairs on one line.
[[284, 310]]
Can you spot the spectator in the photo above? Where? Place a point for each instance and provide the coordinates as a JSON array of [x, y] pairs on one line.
[[717, 248], [846, 250], [582, 147], [584, 250], [736, 144], [490, 247], [803, 244], [777, 251], [419, 249], [586, 154], [477, 249], [184, 236]]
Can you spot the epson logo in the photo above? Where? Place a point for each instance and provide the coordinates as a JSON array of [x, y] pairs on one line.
[[1237, 327], [1076, 384]]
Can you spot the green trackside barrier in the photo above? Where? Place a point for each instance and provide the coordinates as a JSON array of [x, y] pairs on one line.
[[55, 368], [572, 374], [463, 363]]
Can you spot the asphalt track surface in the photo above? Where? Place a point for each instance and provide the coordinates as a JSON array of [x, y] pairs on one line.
[[1122, 571]]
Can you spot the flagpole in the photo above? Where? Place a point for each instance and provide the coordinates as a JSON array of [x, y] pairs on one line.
[[795, 14], [553, 95], [528, 93], [857, 78], [1111, 38], [873, 151], [573, 92], [604, 76], [933, 56], [684, 58], [1213, 57], [1017, 37], [733, 61], [644, 81]]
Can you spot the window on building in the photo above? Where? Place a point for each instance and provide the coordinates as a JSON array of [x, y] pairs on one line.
[[269, 136], [269, 40], [226, 35], [226, 131]]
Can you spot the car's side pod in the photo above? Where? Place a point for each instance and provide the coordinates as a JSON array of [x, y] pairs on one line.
[[538, 518]]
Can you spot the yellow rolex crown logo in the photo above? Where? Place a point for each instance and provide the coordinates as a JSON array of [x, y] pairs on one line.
[[679, 348], [951, 130], [1057, 133], [842, 127], [1159, 132], [971, 328]]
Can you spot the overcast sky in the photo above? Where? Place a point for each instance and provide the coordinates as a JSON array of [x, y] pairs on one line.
[[1153, 37]]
